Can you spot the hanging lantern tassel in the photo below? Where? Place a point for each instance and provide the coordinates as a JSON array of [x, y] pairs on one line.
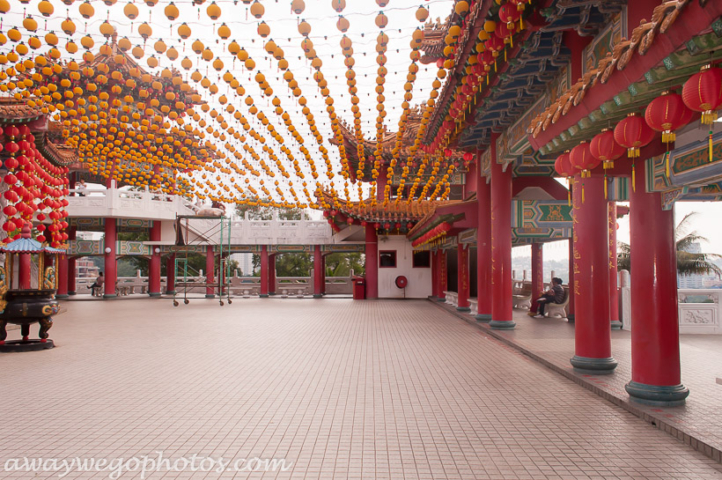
[[606, 193], [710, 145], [582, 192], [634, 189], [666, 162]]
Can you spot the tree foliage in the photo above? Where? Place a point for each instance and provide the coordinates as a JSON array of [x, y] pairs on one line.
[[341, 264], [688, 263]]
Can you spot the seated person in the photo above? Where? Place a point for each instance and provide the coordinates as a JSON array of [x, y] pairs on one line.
[[554, 295], [98, 285]]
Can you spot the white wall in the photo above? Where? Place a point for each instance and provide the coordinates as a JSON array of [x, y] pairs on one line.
[[419, 278]]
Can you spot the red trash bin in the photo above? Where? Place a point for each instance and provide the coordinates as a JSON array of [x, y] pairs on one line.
[[359, 288]]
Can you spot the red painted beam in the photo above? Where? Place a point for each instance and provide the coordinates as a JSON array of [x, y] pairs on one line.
[[691, 21]]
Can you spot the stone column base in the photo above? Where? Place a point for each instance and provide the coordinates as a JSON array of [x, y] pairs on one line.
[[463, 309], [110, 295], [502, 324], [593, 366], [62, 296], [483, 317], [658, 396], [616, 325], [210, 295], [154, 294]]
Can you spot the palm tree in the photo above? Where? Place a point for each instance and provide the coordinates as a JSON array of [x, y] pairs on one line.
[[688, 263]]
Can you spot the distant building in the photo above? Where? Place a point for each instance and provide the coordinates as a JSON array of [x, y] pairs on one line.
[[85, 268], [692, 281], [245, 262]]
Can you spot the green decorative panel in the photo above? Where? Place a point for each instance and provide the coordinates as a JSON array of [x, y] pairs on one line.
[[343, 248], [85, 247], [131, 248], [290, 248]]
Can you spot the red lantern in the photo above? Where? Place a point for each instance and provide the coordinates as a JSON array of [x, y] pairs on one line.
[[563, 165], [510, 13], [666, 114], [605, 149], [703, 93], [582, 159], [633, 133], [468, 156], [495, 45]]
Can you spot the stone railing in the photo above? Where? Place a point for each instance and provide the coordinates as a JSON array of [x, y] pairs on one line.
[[114, 203], [244, 286], [699, 311]]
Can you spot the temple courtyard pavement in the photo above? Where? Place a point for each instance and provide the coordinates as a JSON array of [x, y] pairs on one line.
[[337, 389]]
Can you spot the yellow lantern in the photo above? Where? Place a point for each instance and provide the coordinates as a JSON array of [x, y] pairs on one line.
[[264, 30], [304, 28], [131, 11], [51, 38], [152, 61], [4, 6], [382, 20], [342, 24], [338, 5], [224, 32], [257, 10], [68, 26], [30, 24], [250, 64], [462, 7], [298, 6], [87, 42], [124, 44], [45, 8], [207, 55], [197, 47], [106, 29], [71, 47], [171, 11], [145, 30], [172, 53], [213, 11], [138, 52], [86, 9], [184, 31], [186, 63]]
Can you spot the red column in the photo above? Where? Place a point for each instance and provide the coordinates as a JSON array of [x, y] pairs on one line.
[[264, 271], [111, 267], [323, 274], [272, 274], [613, 292], [443, 275], [154, 263], [656, 377], [462, 274], [72, 273], [593, 343], [483, 251], [210, 270], [501, 288], [62, 275], [537, 274], [381, 181], [170, 275], [372, 263], [24, 271], [471, 180], [572, 272], [317, 272], [434, 276]]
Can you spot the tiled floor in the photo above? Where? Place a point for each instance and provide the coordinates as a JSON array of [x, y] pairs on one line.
[[701, 358], [343, 389]]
